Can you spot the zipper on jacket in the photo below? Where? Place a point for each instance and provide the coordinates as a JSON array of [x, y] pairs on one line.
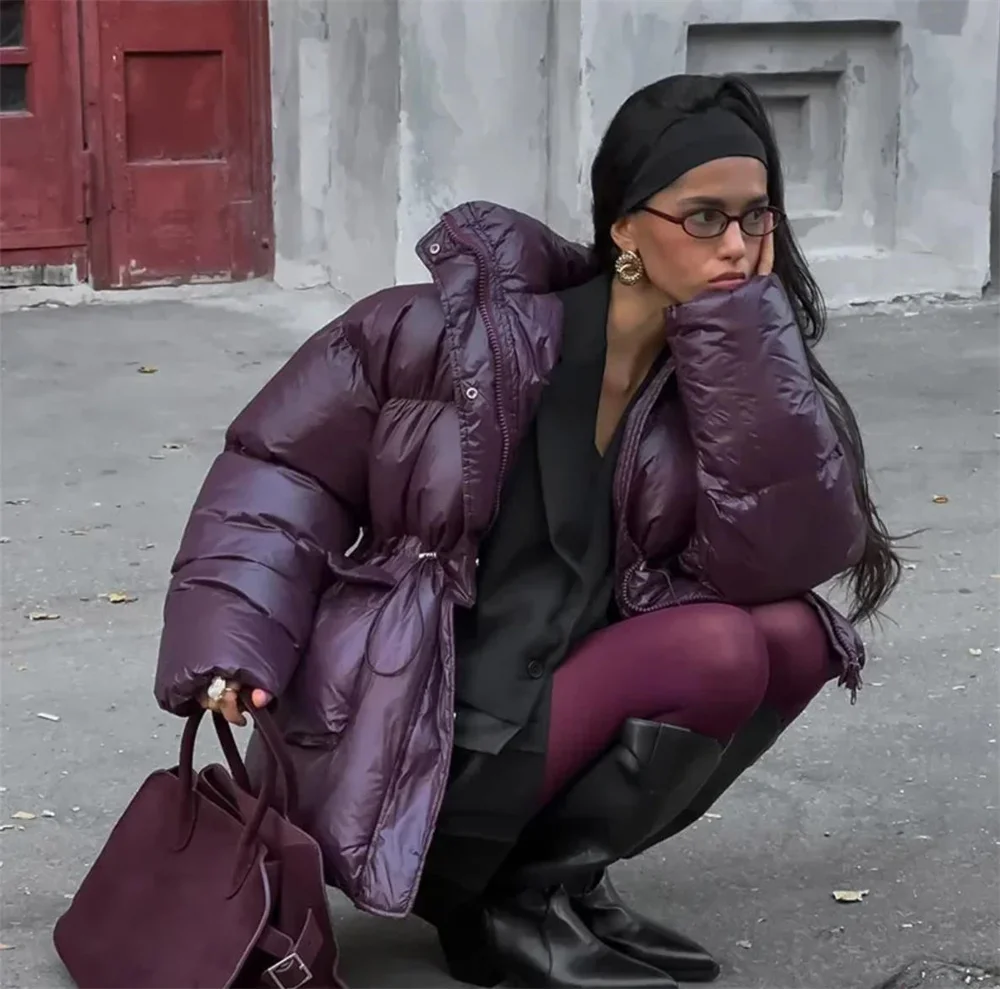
[[483, 306], [633, 436], [641, 609]]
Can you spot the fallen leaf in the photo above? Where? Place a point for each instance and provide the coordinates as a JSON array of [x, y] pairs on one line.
[[850, 895], [4, 539], [909, 566], [173, 446], [148, 369], [23, 815], [975, 652], [940, 499], [118, 597], [17, 501], [744, 944], [713, 817], [45, 716], [43, 616], [48, 813], [6, 827]]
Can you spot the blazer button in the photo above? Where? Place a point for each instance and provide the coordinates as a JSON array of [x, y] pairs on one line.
[[536, 670]]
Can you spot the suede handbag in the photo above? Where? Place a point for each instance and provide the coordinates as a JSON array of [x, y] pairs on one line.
[[205, 883]]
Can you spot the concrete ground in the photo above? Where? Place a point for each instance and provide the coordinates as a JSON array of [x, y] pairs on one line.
[[897, 796]]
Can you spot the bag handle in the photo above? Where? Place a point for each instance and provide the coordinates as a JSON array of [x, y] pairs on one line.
[[278, 761], [245, 852], [277, 764], [231, 752]]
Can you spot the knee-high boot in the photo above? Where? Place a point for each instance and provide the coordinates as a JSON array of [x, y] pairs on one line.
[[616, 925], [747, 746], [650, 775], [551, 917]]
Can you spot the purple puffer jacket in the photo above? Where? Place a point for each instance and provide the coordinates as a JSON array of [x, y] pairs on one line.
[[398, 421]]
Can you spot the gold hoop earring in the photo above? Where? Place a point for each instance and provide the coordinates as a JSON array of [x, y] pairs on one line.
[[629, 268]]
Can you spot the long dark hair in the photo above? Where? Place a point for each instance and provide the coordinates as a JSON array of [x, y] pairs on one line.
[[627, 142]]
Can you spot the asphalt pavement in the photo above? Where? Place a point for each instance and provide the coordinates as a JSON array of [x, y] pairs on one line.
[[111, 414]]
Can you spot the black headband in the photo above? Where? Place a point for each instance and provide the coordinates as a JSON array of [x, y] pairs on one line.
[[687, 143]]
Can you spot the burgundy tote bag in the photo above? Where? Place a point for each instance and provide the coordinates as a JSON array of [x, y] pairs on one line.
[[205, 884]]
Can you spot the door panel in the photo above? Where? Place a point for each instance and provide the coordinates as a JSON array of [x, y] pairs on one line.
[[177, 100], [41, 141]]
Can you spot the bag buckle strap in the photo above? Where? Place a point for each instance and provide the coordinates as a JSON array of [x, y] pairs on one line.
[[293, 971], [290, 973]]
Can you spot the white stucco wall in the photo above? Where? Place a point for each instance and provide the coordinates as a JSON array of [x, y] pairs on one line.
[[387, 112]]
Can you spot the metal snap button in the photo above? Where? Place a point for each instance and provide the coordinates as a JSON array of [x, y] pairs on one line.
[[535, 670], [434, 249], [472, 394]]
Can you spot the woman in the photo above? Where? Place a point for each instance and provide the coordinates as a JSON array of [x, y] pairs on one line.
[[524, 557]]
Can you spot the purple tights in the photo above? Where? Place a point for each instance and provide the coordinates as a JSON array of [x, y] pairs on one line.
[[704, 667]]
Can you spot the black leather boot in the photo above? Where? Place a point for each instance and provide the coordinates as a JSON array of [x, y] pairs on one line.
[[533, 925], [647, 778], [619, 927], [639, 937], [747, 746], [533, 938]]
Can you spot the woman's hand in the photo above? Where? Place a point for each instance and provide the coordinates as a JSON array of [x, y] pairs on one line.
[[223, 697], [765, 264]]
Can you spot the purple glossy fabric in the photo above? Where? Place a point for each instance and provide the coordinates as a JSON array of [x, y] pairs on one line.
[[399, 421]]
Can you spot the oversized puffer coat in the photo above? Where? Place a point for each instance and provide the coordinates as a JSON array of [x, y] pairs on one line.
[[339, 529]]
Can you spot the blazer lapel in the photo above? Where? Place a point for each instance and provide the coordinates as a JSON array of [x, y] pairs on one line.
[[568, 462]]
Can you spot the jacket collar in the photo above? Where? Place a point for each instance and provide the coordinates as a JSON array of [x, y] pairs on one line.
[[499, 273], [522, 253]]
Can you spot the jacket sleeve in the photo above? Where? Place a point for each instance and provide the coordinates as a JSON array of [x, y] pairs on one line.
[[287, 494], [776, 510]]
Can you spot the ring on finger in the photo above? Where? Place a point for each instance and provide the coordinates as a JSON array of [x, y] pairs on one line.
[[217, 689]]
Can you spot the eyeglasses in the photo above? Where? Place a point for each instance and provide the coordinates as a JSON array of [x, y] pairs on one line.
[[705, 224]]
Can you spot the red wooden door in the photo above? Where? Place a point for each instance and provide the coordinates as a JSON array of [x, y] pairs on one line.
[[183, 100], [42, 201]]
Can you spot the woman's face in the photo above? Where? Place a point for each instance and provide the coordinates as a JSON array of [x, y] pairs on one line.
[[682, 266]]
